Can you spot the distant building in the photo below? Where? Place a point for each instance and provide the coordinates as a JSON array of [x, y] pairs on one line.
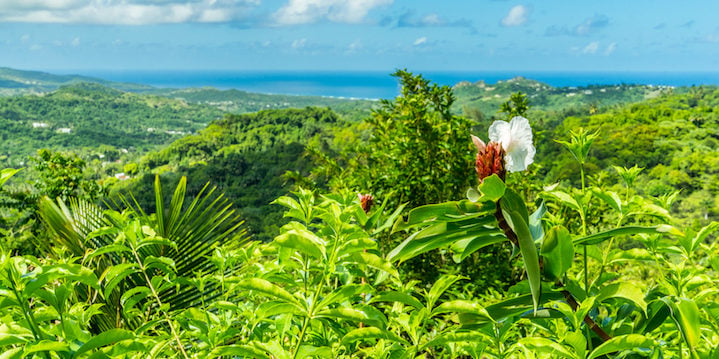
[[40, 125], [122, 176], [64, 130]]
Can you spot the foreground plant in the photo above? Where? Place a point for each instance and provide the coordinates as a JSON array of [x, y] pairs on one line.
[[589, 311]]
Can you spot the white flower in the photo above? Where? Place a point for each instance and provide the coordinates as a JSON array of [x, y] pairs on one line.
[[515, 137]]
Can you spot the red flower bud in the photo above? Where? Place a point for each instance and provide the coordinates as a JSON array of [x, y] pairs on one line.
[[490, 161], [366, 200]]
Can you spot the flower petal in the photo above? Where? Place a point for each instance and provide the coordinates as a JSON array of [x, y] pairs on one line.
[[520, 149], [499, 132], [479, 143]]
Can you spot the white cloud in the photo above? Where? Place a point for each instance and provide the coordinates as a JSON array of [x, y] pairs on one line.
[[123, 12], [297, 12], [516, 16], [591, 48], [610, 49], [420, 41]]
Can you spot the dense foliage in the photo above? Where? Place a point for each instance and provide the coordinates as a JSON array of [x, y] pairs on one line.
[[603, 257]]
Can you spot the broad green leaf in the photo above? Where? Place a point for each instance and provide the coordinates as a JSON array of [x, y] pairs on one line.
[[15, 353], [238, 350], [516, 215], [535, 222], [439, 287], [398, 297], [359, 313], [473, 195], [443, 234], [564, 198], [547, 346], [492, 188], [624, 290], [703, 233], [600, 237], [685, 314], [622, 342], [103, 339], [463, 248], [295, 236], [444, 212], [369, 333], [45, 346], [461, 306], [610, 198], [6, 173], [558, 252], [371, 260], [344, 293], [269, 289], [577, 340]]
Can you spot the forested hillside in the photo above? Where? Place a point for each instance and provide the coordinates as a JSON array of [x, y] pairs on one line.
[[246, 156], [89, 116]]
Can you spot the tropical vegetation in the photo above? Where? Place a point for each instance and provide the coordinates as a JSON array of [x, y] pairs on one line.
[[523, 232]]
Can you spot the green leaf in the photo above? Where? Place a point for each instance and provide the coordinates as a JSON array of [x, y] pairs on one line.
[[361, 313], [296, 236], [115, 274], [703, 233], [535, 222], [516, 214], [463, 248], [45, 346], [369, 333], [103, 339], [492, 188], [610, 198], [344, 293], [443, 234], [622, 342], [600, 237], [371, 260], [547, 346], [269, 289], [558, 252], [685, 314], [473, 195], [624, 290], [461, 306], [238, 350], [398, 297], [564, 198], [444, 212], [439, 287], [6, 173]]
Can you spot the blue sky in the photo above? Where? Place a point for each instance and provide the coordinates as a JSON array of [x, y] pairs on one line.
[[476, 35]]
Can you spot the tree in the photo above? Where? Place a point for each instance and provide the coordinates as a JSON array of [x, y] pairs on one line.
[[418, 151]]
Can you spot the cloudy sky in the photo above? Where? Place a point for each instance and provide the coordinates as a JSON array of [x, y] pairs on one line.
[[451, 35]]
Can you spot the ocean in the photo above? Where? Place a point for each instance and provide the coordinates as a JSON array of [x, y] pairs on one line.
[[380, 84]]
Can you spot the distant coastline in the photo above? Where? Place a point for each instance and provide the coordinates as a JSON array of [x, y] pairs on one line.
[[371, 85]]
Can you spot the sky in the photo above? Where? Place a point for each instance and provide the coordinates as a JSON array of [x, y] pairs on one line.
[[360, 35]]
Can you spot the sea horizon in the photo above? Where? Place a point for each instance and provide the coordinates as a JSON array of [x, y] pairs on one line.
[[380, 84]]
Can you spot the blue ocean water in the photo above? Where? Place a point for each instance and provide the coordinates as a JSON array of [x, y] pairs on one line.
[[381, 84]]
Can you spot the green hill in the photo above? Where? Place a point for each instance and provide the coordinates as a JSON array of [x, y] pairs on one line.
[[14, 82], [91, 115], [486, 98]]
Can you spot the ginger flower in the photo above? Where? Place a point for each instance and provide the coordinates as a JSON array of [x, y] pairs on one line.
[[510, 148], [515, 137]]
